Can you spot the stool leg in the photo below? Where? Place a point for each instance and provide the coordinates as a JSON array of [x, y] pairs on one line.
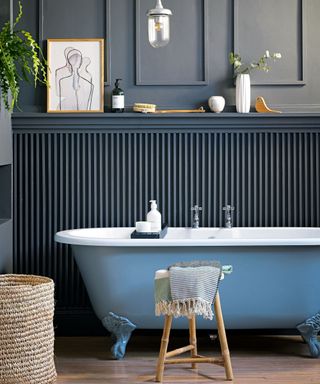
[[223, 338], [193, 338], [163, 347]]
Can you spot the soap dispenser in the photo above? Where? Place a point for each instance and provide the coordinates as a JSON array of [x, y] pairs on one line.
[[117, 98], [154, 217]]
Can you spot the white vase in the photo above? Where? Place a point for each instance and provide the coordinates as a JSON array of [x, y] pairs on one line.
[[243, 93], [216, 103]]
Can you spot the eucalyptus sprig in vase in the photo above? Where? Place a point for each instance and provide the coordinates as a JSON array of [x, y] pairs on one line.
[[242, 72]]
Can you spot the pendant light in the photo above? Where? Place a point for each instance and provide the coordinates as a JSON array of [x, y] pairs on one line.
[[159, 25]]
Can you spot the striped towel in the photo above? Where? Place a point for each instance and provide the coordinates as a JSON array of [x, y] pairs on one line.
[[193, 287]]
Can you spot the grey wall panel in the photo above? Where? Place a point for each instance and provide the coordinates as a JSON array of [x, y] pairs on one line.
[[69, 19], [278, 26], [5, 11], [82, 178], [189, 39]]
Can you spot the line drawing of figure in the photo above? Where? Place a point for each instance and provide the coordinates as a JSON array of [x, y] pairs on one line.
[[63, 71], [73, 81]]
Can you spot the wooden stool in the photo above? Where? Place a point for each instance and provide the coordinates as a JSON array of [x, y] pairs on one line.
[[164, 356]]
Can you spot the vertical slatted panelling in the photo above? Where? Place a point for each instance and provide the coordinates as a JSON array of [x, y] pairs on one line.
[[85, 179]]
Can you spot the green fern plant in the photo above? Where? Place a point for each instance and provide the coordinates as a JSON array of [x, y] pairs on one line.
[[20, 59]]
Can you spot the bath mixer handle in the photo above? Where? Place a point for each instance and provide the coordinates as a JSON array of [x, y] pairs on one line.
[[228, 208], [228, 222], [196, 209]]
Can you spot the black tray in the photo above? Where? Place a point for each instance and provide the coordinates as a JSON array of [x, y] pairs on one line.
[[150, 235]]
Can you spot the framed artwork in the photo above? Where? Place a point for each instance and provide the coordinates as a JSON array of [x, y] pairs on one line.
[[75, 74]]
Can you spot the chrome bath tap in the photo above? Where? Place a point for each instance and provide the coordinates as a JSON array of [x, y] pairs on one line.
[[228, 217], [195, 220]]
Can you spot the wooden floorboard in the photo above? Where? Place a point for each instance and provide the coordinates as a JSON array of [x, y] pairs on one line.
[[255, 359]]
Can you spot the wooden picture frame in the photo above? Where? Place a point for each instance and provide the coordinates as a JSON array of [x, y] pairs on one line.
[[75, 75]]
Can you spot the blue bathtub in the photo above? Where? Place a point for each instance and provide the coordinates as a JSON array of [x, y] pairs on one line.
[[275, 283]]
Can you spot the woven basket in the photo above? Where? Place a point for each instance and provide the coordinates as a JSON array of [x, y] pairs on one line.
[[26, 330]]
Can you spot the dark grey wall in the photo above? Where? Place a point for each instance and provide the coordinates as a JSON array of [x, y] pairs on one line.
[[4, 11], [197, 56]]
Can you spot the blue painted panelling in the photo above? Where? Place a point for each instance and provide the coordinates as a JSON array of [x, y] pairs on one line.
[[71, 178]]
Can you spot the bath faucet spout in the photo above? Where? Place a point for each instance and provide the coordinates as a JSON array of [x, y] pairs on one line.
[[228, 218], [195, 220]]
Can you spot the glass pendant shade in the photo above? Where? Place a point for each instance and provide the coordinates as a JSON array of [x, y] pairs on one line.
[[159, 31], [159, 25]]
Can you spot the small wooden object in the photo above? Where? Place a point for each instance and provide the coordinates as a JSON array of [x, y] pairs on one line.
[[164, 356], [262, 107], [151, 108], [199, 110]]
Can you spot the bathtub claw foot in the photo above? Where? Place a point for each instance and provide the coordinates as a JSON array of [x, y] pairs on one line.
[[309, 330], [120, 329]]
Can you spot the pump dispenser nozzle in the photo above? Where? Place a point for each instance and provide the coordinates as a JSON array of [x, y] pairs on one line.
[[116, 84], [153, 204]]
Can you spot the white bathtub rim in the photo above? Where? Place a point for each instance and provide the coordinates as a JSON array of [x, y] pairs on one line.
[[80, 237]]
